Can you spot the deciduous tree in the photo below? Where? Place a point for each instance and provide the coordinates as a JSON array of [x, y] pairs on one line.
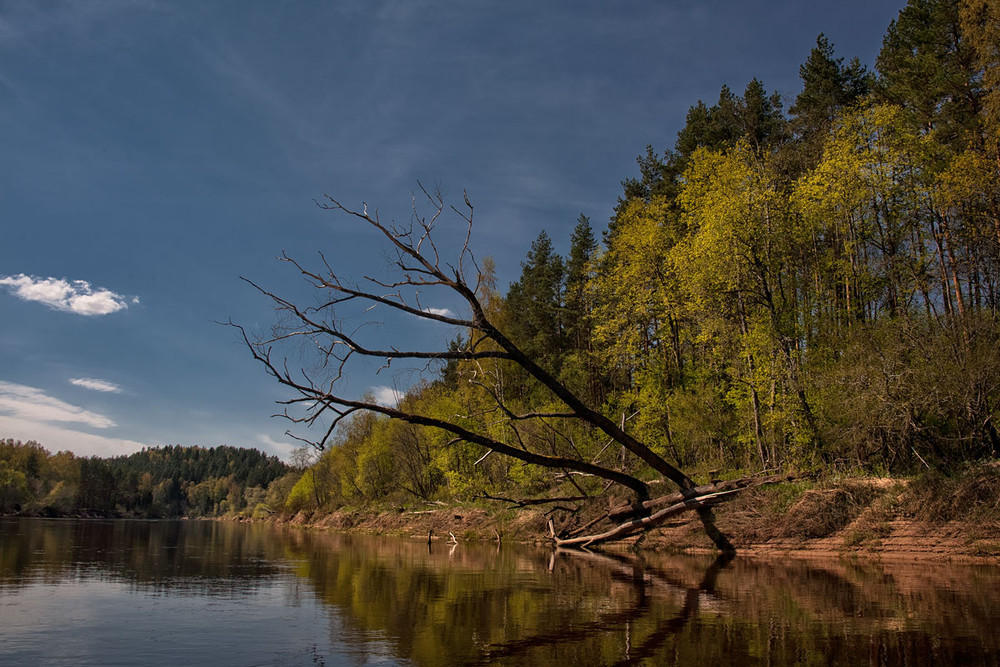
[[501, 429]]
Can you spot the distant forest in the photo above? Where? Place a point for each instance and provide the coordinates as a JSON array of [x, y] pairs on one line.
[[156, 482], [802, 284]]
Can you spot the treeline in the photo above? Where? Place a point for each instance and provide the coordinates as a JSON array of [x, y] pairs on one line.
[[795, 284], [167, 481], [813, 288]]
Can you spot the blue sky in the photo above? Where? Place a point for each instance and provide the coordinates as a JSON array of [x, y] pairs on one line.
[[153, 152]]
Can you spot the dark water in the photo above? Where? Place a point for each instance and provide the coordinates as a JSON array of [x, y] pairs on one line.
[[205, 593]]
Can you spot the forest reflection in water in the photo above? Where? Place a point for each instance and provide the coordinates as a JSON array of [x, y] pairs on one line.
[[404, 602]]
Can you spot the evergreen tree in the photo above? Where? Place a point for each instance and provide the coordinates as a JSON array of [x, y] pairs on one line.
[[827, 87], [451, 370], [579, 266], [980, 24], [928, 67], [579, 367], [535, 301], [760, 117], [98, 485], [756, 116], [659, 178]]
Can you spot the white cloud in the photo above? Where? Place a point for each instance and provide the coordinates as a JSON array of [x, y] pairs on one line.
[[444, 312], [387, 396], [96, 385], [34, 405], [28, 413], [71, 297], [283, 450], [56, 438]]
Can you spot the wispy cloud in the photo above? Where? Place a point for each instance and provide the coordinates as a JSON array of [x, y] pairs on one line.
[[25, 20], [282, 450], [387, 396], [96, 385], [443, 312], [75, 296], [55, 437], [32, 404]]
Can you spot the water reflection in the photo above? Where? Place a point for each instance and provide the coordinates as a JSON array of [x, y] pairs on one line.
[[477, 605], [193, 557], [481, 604]]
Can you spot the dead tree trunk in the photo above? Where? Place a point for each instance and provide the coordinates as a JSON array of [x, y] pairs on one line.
[[320, 395]]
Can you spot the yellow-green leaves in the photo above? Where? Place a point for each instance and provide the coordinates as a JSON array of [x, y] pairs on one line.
[[635, 283], [739, 232]]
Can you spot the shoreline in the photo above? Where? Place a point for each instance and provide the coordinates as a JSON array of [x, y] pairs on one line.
[[929, 519], [905, 539]]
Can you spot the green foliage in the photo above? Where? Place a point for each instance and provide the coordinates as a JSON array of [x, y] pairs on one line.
[[303, 495], [13, 488], [813, 292], [278, 491], [927, 66], [536, 298], [980, 27], [156, 482]]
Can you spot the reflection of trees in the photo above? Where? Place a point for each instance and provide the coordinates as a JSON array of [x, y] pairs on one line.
[[526, 607], [840, 612], [480, 604], [182, 556], [634, 572], [457, 606]]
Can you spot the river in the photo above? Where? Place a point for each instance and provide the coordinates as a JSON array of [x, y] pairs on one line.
[[216, 593]]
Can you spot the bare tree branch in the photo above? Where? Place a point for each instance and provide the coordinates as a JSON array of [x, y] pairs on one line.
[[420, 268]]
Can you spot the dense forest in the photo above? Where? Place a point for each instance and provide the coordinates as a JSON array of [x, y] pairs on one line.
[[806, 284], [156, 482]]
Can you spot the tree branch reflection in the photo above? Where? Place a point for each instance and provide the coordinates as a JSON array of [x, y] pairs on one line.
[[646, 582]]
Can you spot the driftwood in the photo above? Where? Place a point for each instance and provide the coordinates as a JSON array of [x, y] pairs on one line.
[[630, 520], [643, 524], [625, 511]]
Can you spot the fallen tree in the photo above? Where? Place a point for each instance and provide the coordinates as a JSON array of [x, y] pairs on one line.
[[321, 398], [629, 520]]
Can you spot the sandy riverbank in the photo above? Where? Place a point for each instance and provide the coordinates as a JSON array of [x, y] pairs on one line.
[[863, 518]]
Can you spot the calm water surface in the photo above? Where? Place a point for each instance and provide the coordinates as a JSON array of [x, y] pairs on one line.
[[207, 593]]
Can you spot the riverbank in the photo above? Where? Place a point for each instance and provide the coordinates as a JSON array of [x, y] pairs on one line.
[[934, 518]]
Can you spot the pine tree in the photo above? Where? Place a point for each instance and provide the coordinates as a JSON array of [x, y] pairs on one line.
[[980, 23], [535, 301], [827, 87], [577, 309], [755, 116], [927, 66]]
